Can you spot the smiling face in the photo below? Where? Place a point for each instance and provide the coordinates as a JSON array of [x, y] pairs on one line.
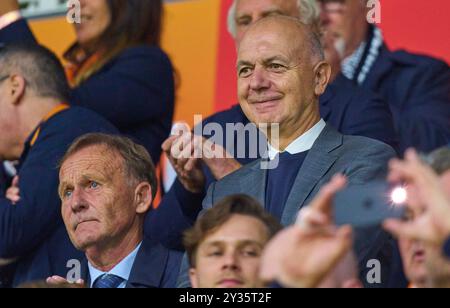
[[277, 79], [95, 19], [230, 256], [97, 200]]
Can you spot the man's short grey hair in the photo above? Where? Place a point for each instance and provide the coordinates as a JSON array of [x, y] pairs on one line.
[[309, 12], [41, 69]]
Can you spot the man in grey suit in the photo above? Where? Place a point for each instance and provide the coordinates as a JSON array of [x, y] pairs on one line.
[[281, 75]]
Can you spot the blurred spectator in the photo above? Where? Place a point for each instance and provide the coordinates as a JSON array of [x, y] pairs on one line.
[[107, 185], [37, 128], [417, 88], [431, 199], [421, 237], [225, 245], [116, 67]]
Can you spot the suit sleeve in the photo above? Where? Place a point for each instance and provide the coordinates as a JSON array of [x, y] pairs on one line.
[[25, 225], [424, 121]]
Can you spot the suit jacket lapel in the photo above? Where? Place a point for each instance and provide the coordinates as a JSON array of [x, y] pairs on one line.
[[381, 67], [149, 266], [317, 163], [253, 182]]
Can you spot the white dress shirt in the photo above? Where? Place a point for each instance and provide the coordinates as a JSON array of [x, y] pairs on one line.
[[303, 143]]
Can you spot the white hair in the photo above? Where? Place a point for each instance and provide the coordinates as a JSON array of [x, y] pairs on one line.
[[309, 12]]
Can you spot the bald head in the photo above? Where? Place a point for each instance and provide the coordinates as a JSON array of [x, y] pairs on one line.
[[281, 75], [300, 37]]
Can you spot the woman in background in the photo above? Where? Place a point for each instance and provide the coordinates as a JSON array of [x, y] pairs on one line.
[[116, 66]]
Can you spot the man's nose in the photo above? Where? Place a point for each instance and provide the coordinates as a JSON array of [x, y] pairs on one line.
[[78, 200], [231, 261], [259, 80]]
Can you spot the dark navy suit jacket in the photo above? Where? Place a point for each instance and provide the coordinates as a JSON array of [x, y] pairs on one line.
[[134, 91], [417, 89], [33, 230], [154, 267], [346, 107]]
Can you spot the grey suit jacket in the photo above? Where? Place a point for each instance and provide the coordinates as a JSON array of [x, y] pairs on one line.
[[360, 159]]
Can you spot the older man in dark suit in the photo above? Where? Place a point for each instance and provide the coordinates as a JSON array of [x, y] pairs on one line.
[[107, 185]]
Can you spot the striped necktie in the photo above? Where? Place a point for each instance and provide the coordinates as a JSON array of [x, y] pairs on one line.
[[108, 281]]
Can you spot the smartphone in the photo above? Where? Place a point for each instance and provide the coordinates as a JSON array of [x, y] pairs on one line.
[[367, 205]]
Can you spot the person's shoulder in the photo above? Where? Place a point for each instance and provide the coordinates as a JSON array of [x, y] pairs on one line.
[[78, 119], [405, 58], [144, 52], [347, 91], [360, 147]]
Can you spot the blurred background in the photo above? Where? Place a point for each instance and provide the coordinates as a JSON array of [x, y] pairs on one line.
[[196, 38]]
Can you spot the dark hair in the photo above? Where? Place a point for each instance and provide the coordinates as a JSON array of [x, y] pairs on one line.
[[40, 67], [137, 160], [136, 21], [214, 218], [133, 22]]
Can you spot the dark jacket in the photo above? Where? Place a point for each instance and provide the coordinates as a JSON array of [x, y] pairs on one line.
[[33, 230], [134, 91]]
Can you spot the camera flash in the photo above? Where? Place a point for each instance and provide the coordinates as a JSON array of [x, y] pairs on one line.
[[399, 195]]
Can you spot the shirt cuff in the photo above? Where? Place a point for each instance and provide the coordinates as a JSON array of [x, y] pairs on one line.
[[9, 18]]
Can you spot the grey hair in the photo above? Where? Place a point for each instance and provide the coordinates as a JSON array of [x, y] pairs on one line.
[[309, 12], [439, 160]]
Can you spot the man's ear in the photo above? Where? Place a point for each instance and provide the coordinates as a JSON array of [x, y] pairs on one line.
[[193, 278], [322, 73], [143, 197], [17, 85]]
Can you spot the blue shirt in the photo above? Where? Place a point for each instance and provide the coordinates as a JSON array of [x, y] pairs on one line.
[[122, 270]]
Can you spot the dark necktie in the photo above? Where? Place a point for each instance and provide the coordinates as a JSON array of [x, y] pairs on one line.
[[107, 281]]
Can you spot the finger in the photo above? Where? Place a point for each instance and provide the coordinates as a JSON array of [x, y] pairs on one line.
[[167, 145], [15, 181], [56, 280], [13, 191], [324, 199], [310, 218], [191, 164], [182, 148]]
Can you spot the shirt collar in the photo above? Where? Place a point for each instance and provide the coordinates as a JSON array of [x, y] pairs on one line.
[[122, 270], [303, 143]]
